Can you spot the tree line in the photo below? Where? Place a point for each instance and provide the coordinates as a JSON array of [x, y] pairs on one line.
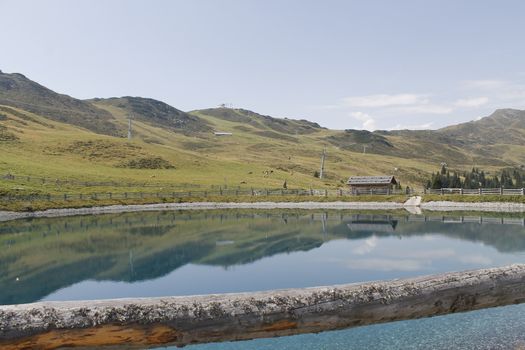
[[476, 178]]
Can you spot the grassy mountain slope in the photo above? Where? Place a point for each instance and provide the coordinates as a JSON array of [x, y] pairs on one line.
[[504, 126], [171, 147], [18, 91], [155, 113], [497, 140]]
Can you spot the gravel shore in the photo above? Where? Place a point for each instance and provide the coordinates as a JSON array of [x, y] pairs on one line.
[[481, 206], [431, 206], [7, 215]]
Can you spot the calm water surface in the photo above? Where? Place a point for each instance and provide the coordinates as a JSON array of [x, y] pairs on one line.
[[184, 253]]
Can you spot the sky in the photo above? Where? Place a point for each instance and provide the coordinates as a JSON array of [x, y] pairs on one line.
[[376, 64]]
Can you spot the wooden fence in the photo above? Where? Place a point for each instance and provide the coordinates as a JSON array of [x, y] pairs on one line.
[[62, 182], [478, 191], [173, 195]]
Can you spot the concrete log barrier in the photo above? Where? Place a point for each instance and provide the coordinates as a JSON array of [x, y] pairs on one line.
[[141, 323]]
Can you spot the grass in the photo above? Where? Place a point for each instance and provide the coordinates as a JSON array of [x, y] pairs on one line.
[[29, 206], [254, 157], [60, 151], [36, 205]]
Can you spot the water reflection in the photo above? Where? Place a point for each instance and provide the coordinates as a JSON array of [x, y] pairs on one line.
[[170, 253]]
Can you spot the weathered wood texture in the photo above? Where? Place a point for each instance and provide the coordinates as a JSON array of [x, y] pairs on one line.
[[141, 323]]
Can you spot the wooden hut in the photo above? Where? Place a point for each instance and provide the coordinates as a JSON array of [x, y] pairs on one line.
[[371, 184]]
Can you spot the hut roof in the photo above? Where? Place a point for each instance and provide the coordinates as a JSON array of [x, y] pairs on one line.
[[372, 180]]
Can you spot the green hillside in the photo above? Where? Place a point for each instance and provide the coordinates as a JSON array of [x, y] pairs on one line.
[[18, 91], [155, 113], [43, 133]]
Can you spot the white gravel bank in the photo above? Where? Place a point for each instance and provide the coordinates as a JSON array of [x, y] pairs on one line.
[[481, 206], [435, 206], [6, 215]]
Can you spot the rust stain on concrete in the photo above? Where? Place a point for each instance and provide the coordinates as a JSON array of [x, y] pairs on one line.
[[107, 335]]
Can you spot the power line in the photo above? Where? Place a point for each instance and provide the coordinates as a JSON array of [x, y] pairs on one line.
[[323, 156]]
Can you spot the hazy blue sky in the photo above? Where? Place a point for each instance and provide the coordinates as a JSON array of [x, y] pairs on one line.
[[345, 64]]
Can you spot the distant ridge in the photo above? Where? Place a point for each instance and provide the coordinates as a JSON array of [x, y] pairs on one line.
[[259, 121], [18, 91], [505, 126], [156, 113], [259, 144]]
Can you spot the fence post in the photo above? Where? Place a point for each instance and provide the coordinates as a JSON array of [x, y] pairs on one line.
[[461, 191], [65, 196], [441, 190], [267, 192], [501, 191], [523, 191], [480, 191], [326, 193]]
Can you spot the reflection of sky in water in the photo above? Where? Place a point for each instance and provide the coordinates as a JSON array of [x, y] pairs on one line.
[[335, 262], [184, 254]]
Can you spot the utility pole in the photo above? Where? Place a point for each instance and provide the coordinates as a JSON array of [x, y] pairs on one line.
[[323, 156], [129, 127]]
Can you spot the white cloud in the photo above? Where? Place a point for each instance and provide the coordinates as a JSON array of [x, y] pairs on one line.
[[369, 123], [426, 109], [385, 100], [367, 246], [472, 102], [502, 93], [424, 126], [380, 264], [476, 259], [484, 84]]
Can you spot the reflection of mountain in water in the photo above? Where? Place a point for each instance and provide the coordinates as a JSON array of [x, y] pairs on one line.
[[504, 234], [40, 256]]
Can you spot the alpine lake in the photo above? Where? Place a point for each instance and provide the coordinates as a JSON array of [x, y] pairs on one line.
[[168, 253]]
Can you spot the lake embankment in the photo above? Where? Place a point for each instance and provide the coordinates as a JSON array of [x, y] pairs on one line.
[[335, 205]]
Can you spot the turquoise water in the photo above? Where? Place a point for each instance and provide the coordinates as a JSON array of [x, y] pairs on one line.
[[185, 253], [499, 328]]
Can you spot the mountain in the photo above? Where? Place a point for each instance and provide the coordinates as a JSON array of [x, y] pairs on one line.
[[57, 136], [18, 91], [497, 140], [504, 126], [264, 122], [155, 113]]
